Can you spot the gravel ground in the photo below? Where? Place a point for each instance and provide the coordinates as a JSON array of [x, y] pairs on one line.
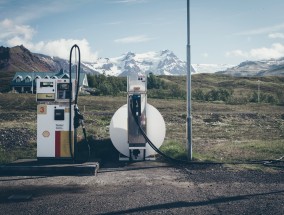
[[147, 188], [11, 138]]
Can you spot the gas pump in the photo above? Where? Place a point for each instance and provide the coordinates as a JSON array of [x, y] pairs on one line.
[[53, 113], [137, 100], [58, 116], [137, 129]]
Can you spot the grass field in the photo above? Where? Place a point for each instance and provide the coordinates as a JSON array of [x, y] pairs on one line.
[[221, 132]]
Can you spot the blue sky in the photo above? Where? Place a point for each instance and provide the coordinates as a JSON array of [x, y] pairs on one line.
[[222, 31]]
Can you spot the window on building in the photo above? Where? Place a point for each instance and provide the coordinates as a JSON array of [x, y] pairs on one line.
[[65, 76], [28, 79], [19, 79]]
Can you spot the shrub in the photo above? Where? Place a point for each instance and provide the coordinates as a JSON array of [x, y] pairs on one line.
[[198, 94]]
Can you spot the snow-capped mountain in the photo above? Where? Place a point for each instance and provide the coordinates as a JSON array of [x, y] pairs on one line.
[[165, 62], [210, 68], [257, 68], [159, 63]]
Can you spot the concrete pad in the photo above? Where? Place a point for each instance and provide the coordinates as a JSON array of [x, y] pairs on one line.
[[35, 167]]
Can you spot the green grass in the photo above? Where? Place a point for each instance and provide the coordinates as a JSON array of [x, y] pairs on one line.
[[230, 134], [260, 150], [221, 132], [174, 149], [7, 156], [229, 152], [242, 151]]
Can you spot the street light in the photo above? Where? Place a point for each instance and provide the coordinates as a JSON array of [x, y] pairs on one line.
[[189, 118]]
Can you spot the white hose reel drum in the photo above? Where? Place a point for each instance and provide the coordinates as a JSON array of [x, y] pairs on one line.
[[156, 130]]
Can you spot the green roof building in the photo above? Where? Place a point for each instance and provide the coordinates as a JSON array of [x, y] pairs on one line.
[[25, 82]]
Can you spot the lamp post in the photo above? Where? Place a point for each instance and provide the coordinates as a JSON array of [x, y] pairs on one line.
[[189, 117]]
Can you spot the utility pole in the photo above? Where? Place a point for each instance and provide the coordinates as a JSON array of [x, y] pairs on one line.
[[189, 117], [258, 91]]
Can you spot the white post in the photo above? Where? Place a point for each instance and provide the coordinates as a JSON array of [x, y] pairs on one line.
[[189, 117], [33, 82]]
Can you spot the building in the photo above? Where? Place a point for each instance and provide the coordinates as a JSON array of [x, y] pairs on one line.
[[25, 82]]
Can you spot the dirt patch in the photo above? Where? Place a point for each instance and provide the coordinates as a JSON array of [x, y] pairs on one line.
[[23, 116], [12, 138]]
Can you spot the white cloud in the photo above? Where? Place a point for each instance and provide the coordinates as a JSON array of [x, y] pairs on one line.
[[275, 51], [9, 30], [134, 39], [61, 48], [13, 35], [263, 30], [276, 35]]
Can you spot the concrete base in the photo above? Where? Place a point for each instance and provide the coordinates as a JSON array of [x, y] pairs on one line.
[[26, 167]]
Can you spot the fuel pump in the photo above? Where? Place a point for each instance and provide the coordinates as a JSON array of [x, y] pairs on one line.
[[58, 116], [137, 126], [53, 113], [136, 116]]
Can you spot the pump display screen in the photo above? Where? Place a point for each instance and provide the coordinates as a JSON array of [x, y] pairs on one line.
[[63, 91], [46, 84], [63, 86]]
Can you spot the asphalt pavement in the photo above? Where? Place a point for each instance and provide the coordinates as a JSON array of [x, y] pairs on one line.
[[147, 188]]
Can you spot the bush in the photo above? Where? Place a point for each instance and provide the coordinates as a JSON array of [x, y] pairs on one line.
[[213, 95], [263, 98], [153, 82], [104, 85], [198, 94], [238, 100]]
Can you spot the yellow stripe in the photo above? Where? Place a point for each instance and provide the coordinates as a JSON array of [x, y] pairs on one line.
[[64, 144]]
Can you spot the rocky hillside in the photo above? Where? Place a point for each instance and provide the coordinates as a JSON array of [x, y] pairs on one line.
[[19, 58], [272, 67]]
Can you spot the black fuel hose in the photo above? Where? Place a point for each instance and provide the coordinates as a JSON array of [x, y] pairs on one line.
[[152, 144], [70, 99], [78, 117]]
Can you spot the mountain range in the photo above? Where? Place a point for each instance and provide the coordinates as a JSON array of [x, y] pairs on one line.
[[164, 62], [159, 63], [271, 67]]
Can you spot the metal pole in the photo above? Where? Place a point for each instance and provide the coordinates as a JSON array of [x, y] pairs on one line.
[[189, 118], [258, 91]]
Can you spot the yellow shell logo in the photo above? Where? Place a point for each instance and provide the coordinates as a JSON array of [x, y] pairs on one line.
[[46, 134]]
